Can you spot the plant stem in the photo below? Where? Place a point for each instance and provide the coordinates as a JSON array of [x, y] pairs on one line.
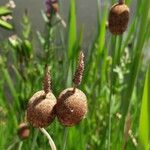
[[51, 142], [121, 1], [65, 138], [109, 129], [34, 140], [62, 21], [20, 145], [13, 144]]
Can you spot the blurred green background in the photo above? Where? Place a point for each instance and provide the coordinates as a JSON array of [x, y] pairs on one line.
[[116, 79]]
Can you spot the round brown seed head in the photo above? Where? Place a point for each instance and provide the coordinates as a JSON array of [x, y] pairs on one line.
[[40, 110], [71, 107], [118, 18], [23, 131]]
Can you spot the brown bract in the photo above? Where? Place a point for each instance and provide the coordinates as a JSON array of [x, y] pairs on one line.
[[23, 131], [118, 18], [71, 107], [40, 111]]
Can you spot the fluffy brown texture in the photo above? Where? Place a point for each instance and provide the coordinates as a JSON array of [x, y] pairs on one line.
[[118, 18], [40, 110], [47, 80], [23, 131], [79, 71], [71, 107]]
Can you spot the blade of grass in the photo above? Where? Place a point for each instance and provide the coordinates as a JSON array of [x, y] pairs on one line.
[[11, 86], [5, 25], [4, 11], [144, 124], [72, 32]]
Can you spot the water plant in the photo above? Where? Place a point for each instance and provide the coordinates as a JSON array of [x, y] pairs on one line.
[[116, 67], [71, 107], [118, 17]]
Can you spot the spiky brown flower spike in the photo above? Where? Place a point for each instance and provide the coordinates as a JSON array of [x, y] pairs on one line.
[[47, 80], [71, 106], [23, 131], [40, 110], [79, 71], [118, 18]]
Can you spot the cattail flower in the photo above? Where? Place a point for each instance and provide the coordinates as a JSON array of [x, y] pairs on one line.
[[118, 18], [47, 80], [23, 131], [40, 110], [79, 71], [71, 106]]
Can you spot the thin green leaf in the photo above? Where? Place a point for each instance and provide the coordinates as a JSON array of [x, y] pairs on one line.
[[5, 25], [144, 124], [72, 33], [4, 11]]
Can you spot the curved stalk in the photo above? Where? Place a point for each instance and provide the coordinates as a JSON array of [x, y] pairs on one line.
[[51, 142]]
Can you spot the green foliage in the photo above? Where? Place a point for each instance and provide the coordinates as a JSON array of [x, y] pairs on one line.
[[72, 33], [144, 124], [113, 81], [4, 11]]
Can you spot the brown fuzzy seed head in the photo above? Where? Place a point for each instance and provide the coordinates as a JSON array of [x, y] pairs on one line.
[[118, 18], [40, 111], [71, 107], [47, 80], [79, 71], [23, 131]]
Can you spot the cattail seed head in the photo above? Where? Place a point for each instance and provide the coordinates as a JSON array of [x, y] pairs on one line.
[[79, 71], [23, 131], [47, 80], [40, 110], [71, 107], [118, 18]]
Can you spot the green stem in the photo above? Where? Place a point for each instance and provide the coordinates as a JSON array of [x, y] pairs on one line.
[[109, 127], [13, 144], [65, 138], [34, 140], [20, 145], [51, 142]]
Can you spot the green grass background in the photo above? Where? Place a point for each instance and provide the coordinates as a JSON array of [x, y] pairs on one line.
[[116, 81]]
